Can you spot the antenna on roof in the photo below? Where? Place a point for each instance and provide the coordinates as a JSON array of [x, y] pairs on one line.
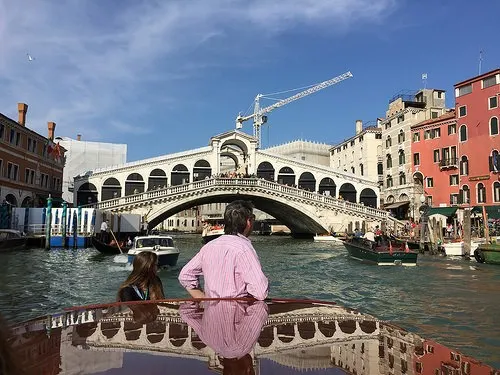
[[424, 80], [480, 61]]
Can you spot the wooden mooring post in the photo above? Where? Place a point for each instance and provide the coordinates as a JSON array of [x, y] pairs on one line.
[[467, 233]]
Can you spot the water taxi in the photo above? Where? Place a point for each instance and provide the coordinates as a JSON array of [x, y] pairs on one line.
[[213, 227], [162, 245], [381, 252]]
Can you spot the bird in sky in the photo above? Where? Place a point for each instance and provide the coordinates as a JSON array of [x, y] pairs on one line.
[[30, 58]]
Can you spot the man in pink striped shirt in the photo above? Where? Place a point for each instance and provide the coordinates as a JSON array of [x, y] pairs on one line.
[[229, 264]]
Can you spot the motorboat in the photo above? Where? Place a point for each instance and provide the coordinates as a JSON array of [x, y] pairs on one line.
[[212, 228], [381, 251], [457, 248], [11, 239], [278, 336], [163, 246], [488, 253], [327, 238]]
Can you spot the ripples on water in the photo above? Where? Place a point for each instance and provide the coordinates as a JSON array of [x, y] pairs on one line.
[[452, 301]]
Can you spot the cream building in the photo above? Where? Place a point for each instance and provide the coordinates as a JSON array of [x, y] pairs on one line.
[[312, 152], [361, 154], [405, 109]]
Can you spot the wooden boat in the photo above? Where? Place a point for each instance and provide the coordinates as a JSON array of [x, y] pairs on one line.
[[212, 229], [381, 252], [412, 244], [488, 253], [163, 246], [280, 336], [11, 239], [108, 249]]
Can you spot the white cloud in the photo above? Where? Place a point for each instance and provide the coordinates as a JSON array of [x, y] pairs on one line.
[[95, 60]]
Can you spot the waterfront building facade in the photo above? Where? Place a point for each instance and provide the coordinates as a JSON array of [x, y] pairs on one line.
[[311, 152], [361, 154], [434, 148], [478, 114], [31, 165], [405, 109], [83, 156]]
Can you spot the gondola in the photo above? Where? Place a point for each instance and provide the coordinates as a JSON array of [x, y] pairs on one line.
[[108, 249]]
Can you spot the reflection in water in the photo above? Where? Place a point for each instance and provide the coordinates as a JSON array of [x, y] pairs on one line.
[[230, 336]]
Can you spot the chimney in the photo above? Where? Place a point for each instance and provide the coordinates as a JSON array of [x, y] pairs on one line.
[[22, 108], [52, 128], [359, 126], [78, 137]]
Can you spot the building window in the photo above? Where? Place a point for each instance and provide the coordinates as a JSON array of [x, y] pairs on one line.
[[463, 133], [388, 142], [416, 137], [418, 367], [389, 181], [353, 171], [402, 178], [454, 179], [429, 200], [361, 170], [464, 90], [436, 156], [496, 192], [427, 134], [12, 171], [32, 177], [401, 118], [387, 125], [492, 102], [402, 158], [464, 166], [12, 135], [430, 182], [481, 193], [26, 175], [2, 131], [462, 111], [416, 158], [452, 129], [494, 126], [453, 199], [434, 114], [489, 81], [1, 168], [494, 161], [378, 136], [435, 133], [380, 169], [389, 161], [401, 136], [352, 143], [465, 194]]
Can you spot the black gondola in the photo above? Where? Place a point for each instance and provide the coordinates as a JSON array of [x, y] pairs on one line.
[[108, 249]]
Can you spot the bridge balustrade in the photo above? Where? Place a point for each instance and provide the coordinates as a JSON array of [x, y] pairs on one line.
[[235, 182]]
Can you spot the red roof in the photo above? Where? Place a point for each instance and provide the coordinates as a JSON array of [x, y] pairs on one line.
[[477, 78], [447, 116]]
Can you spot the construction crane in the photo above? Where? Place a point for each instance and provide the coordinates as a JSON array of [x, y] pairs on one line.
[[259, 114]]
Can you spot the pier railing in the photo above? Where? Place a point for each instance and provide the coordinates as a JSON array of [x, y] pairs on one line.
[[259, 184]]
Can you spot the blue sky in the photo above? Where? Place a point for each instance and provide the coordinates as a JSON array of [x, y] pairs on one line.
[[165, 76]]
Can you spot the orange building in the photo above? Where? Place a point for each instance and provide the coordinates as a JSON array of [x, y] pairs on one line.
[[435, 159], [31, 165], [478, 114]]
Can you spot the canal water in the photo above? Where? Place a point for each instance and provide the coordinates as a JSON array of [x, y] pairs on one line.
[[454, 302]]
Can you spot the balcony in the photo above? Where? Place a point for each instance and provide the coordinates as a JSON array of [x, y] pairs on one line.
[[451, 163]]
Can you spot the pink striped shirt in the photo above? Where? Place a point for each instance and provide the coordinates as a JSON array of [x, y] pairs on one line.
[[230, 328], [230, 268]]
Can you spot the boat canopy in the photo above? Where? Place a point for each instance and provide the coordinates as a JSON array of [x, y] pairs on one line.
[[445, 211], [493, 212]]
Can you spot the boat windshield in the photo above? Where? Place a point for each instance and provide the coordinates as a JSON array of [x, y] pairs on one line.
[[151, 242]]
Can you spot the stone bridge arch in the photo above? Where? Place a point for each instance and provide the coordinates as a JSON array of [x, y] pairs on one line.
[[301, 222]]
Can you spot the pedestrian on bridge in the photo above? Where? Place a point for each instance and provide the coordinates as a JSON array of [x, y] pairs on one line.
[[229, 264]]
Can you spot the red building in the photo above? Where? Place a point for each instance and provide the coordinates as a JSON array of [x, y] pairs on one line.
[[478, 113], [435, 159]]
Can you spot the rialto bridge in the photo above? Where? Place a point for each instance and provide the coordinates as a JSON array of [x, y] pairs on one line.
[[308, 198]]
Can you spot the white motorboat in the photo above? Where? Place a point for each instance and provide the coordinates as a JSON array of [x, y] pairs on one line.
[[457, 249], [327, 238], [162, 246], [212, 228]]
